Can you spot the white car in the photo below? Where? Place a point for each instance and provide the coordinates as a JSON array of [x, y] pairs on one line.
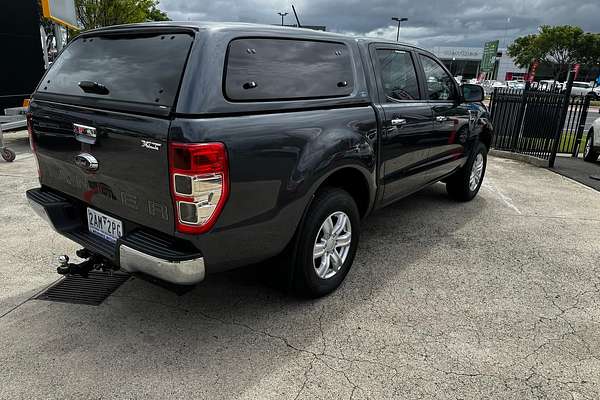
[[520, 85], [592, 143], [583, 88], [550, 85]]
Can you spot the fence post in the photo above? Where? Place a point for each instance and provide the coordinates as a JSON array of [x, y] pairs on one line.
[[581, 127], [520, 116], [561, 118]]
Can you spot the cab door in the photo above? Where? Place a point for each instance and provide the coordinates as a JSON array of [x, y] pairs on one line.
[[450, 117], [406, 121]]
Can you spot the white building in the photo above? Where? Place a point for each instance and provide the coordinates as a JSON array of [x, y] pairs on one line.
[[465, 61]]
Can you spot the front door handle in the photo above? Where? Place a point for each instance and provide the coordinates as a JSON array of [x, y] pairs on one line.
[[441, 118], [398, 122]]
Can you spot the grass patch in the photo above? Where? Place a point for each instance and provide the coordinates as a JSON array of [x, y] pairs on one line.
[[568, 139]]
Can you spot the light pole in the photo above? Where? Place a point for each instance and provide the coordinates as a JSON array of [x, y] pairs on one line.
[[399, 20], [283, 14]]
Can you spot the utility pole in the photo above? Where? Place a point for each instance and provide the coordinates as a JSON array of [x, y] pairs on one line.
[[283, 14], [399, 20]]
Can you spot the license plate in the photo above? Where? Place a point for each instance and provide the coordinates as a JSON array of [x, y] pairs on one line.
[[102, 225]]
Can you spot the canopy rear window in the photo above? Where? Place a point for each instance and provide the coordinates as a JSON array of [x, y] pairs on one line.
[[140, 68], [263, 69]]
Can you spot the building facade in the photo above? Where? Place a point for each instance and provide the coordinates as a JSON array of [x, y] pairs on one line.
[[465, 62]]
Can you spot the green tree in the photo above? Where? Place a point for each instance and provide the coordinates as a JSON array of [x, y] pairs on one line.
[[524, 51], [559, 46], [98, 13], [588, 52]]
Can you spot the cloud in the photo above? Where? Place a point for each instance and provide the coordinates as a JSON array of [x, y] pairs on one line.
[[430, 22]]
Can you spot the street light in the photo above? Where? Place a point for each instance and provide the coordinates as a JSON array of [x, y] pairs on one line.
[[399, 20], [282, 15]]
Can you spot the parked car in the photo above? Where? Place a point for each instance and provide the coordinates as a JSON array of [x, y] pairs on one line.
[[489, 86], [550, 85], [519, 85], [583, 89], [592, 142], [180, 149]]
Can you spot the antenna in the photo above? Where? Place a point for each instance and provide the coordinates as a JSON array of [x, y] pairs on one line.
[[296, 15]]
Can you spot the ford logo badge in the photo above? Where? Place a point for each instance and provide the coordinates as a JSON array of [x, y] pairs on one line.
[[86, 161]]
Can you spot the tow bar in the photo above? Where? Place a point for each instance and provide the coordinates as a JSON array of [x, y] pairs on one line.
[[91, 262]]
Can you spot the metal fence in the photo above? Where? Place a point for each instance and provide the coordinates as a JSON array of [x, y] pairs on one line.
[[538, 122], [571, 138]]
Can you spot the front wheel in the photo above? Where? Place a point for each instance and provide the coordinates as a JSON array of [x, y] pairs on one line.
[[588, 152], [327, 243], [465, 183]]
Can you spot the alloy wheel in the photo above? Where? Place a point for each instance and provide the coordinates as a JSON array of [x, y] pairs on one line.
[[332, 245], [476, 172]]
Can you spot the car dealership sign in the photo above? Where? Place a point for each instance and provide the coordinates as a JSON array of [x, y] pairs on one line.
[[61, 11], [490, 50]]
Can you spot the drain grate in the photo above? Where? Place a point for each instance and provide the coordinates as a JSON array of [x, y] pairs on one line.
[[92, 290]]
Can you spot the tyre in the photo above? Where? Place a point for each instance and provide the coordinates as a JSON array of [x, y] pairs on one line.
[[589, 154], [465, 183], [327, 243], [8, 155]]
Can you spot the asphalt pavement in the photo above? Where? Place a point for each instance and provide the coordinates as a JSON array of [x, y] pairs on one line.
[[582, 171], [498, 298]]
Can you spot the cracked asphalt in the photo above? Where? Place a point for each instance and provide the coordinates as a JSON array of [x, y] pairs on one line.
[[498, 298]]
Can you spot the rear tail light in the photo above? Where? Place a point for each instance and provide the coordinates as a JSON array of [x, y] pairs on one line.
[[199, 183]]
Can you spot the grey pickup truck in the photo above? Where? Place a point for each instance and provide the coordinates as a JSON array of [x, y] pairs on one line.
[[178, 150]]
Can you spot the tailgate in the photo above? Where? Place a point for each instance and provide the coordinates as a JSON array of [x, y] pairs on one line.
[[131, 180], [100, 121]]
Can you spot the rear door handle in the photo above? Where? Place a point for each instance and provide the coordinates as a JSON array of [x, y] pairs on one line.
[[398, 122], [441, 118]]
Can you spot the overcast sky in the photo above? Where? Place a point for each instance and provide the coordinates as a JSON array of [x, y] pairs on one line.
[[430, 22]]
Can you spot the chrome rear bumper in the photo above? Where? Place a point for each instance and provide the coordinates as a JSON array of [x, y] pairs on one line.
[[187, 272], [186, 269]]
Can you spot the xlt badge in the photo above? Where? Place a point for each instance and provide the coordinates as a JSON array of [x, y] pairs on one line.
[[151, 145]]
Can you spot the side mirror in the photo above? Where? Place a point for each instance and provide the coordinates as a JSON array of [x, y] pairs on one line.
[[472, 93]]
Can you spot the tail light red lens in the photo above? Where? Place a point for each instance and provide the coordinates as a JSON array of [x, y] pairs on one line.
[[199, 175]]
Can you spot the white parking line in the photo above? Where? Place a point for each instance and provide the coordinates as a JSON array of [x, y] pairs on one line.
[[489, 185]]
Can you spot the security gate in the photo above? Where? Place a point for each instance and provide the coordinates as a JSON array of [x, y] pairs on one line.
[[538, 122]]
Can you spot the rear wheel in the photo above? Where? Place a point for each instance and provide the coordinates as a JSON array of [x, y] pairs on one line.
[[327, 243], [465, 183], [589, 154]]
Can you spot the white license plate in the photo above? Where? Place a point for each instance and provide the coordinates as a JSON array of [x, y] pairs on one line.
[[104, 226]]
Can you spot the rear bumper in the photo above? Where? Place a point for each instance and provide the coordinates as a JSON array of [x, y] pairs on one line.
[[186, 272], [140, 250]]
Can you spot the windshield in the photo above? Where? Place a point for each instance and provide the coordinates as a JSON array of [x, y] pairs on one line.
[[128, 68]]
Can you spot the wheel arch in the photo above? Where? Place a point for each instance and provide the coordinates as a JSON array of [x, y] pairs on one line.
[[353, 179], [486, 135]]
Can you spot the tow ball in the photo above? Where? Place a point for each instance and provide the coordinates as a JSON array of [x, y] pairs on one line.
[[91, 262]]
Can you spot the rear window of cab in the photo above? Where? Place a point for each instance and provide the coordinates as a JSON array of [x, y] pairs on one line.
[[125, 68], [266, 69]]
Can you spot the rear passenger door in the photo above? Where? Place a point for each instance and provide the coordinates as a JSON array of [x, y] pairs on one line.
[[406, 119], [450, 117]]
